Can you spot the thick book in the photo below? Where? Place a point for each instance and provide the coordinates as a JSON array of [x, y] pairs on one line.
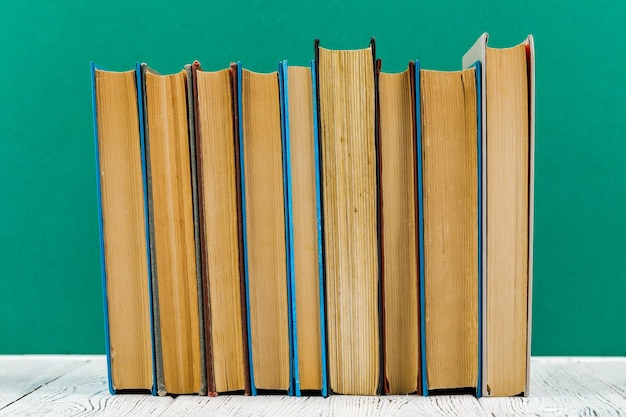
[[219, 207], [264, 230], [398, 196], [303, 213], [123, 217], [449, 228], [347, 122], [173, 226], [508, 136]]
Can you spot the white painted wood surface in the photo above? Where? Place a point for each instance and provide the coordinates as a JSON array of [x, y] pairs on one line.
[[76, 386]]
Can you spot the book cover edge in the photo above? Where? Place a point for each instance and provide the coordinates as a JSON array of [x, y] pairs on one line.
[[319, 215], [294, 371], [412, 81], [233, 69], [530, 54], [142, 139], [477, 54], [191, 128], [253, 390], [479, 125], [112, 390], [206, 299], [420, 227], [160, 388], [377, 63]]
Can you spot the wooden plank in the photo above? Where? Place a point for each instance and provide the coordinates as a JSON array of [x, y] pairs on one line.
[[77, 386], [21, 375], [338, 405], [562, 387], [83, 392], [610, 370]]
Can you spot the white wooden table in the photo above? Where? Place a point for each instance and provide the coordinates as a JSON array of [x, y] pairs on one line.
[[76, 386]]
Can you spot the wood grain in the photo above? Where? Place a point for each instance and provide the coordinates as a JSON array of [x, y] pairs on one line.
[[21, 375], [564, 387], [81, 392], [77, 386]]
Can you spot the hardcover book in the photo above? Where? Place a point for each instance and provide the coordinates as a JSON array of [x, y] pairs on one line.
[[347, 122], [303, 213], [508, 137], [398, 196], [264, 230], [123, 217], [220, 234], [176, 285], [449, 228]]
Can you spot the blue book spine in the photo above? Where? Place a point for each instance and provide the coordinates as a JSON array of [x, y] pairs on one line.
[[294, 387], [420, 226], [294, 377], [107, 339], [320, 251], [243, 224]]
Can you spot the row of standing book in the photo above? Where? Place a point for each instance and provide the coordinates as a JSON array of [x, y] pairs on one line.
[[316, 230]]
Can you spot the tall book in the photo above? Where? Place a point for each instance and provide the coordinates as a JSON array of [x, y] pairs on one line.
[[219, 202], [303, 206], [176, 284], [122, 210], [398, 194], [264, 231], [508, 117], [347, 118], [449, 206]]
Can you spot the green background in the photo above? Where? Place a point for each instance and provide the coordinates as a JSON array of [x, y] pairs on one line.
[[50, 288]]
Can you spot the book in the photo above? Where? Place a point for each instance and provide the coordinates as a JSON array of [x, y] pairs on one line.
[[347, 118], [176, 287], [122, 213], [398, 194], [303, 204], [449, 205], [264, 230], [219, 202], [508, 176]]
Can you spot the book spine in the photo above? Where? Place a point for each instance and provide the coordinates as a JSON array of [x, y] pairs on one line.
[[236, 72], [107, 339], [294, 377], [320, 235]]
